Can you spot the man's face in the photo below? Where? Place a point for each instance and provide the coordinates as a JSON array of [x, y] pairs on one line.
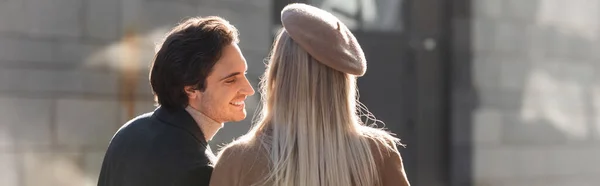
[[226, 88]]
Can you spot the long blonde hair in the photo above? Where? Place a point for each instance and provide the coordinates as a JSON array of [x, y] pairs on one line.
[[310, 125]]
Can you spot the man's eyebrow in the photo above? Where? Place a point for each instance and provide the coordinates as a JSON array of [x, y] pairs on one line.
[[230, 75]]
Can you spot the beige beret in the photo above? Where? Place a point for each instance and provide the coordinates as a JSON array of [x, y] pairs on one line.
[[324, 37]]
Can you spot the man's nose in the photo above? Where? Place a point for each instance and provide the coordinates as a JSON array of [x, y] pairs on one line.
[[248, 90]]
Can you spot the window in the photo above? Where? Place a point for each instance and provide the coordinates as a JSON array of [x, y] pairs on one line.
[[366, 15]]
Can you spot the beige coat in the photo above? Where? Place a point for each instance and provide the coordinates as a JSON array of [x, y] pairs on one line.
[[244, 164]]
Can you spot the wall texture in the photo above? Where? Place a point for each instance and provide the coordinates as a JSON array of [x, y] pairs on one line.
[[73, 71], [535, 73]]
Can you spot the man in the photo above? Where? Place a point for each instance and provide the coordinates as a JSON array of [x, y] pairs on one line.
[[198, 79]]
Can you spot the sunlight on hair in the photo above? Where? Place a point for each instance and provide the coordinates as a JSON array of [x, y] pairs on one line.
[[369, 118]]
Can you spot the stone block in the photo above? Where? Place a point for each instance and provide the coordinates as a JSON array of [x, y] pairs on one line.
[[535, 161], [593, 54], [254, 25], [9, 171], [519, 131], [488, 8], [82, 122], [574, 160], [144, 89], [256, 63], [522, 11], [97, 82], [504, 100], [595, 128], [537, 41], [15, 50], [7, 140], [53, 81], [52, 17], [510, 37], [243, 3], [485, 70], [578, 180], [581, 48], [10, 19], [154, 16], [487, 127], [213, 9], [92, 165], [557, 43], [26, 122], [77, 54], [495, 163], [102, 19], [514, 73], [54, 169], [484, 31], [577, 72]]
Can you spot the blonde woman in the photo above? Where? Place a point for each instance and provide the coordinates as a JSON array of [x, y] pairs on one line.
[[309, 132]]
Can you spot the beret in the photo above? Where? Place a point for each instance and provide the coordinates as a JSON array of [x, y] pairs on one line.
[[324, 37]]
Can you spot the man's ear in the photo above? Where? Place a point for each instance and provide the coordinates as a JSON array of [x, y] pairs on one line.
[[190, 91]]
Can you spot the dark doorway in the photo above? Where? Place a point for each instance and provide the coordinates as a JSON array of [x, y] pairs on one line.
[[388, 89], [405, 43]]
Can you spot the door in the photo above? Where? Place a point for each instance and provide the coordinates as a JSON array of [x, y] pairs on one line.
[[400, 39], [388, 89]]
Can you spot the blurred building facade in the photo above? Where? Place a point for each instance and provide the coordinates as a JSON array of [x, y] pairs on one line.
[[525, 99], [483, 92], [73, 71]]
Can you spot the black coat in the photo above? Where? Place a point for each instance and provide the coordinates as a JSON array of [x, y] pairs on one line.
[[165, 147]]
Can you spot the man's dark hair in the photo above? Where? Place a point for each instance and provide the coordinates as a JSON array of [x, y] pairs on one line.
[[187, 57]]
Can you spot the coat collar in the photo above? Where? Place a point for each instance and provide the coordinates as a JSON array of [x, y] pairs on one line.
[[180, 118], [208, 126]]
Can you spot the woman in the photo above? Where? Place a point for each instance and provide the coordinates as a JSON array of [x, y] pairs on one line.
[[309, 132]]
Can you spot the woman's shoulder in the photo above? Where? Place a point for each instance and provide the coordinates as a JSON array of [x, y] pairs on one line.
[[246, 152], [239, 163], [382, 143], [239, 148], [384, 148]]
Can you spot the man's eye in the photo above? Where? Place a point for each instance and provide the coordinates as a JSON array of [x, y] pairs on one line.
[[230, 81]]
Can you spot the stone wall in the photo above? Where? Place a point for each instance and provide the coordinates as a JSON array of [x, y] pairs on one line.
[[73, 71], [534, 69], [525, 93]]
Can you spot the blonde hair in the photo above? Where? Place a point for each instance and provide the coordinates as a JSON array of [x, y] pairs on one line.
[[310, 124]]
